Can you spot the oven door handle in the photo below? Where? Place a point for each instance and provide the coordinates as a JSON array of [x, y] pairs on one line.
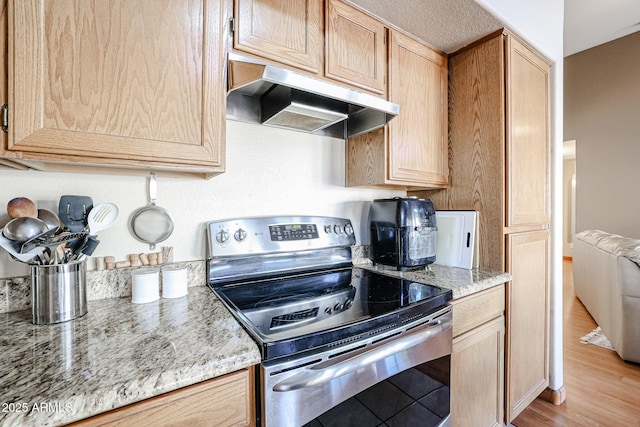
[[324, 372]]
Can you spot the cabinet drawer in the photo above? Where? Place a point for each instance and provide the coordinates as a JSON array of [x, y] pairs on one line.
[[477, 309]]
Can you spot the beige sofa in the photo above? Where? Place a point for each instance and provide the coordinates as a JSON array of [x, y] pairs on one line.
[[606, 275]]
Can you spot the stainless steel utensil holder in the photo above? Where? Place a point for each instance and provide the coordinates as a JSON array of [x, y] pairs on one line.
[[58, 292]]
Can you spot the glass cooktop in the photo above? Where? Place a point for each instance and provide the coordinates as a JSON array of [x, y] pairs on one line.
[[293, 314]]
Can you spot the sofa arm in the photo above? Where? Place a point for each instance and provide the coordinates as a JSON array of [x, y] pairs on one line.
[[607, 282]]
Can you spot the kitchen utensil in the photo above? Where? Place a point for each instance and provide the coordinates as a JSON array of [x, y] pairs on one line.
[[34, 241], [102, 216], [85, 247], [59, 253], [89, 246], [49, 218], [151, 224], [46, 240], [21, 206], [73, 211], [14, 250], [24, 228]]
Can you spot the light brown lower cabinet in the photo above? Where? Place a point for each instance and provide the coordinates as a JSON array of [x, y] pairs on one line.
[[477, 360], [221, 402]]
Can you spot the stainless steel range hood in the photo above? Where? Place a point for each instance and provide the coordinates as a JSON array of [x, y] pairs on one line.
[[265, 94]]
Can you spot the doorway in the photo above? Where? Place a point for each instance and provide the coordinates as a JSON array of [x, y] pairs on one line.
[[569, 197]]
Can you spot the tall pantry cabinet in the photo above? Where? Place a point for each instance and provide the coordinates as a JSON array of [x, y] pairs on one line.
[[499, 166]]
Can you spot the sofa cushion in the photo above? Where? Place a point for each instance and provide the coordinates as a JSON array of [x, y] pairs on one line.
[[592, 236], [613, 244]]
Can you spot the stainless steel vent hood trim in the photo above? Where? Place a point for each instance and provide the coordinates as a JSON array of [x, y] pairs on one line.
[[266, 94]]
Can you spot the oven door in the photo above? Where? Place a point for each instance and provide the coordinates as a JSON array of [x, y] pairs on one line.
[[394, 378]]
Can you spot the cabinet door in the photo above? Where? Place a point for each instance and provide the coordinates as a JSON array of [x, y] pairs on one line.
[[527, 366], [286, 31], [355, 48], [527, 146], [477, 376], [417, 148], [127, 83], [224, 401]]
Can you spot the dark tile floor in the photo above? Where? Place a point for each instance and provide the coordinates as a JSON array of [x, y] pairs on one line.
[[410, 398]]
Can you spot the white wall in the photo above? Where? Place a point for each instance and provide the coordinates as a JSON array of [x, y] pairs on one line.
[[541, 24], [269, 171]]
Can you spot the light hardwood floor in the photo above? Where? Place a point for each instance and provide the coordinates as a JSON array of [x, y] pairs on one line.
[[602, 390]]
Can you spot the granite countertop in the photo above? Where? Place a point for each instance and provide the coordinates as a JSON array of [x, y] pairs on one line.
[[121, 353], [117, 354], [461, 281]]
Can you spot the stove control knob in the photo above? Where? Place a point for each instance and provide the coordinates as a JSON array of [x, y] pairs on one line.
[[222, 236], [338, 307], [327, 229], [327, 310], [348, 229], [240, 235], [337, 229], [348, 303]]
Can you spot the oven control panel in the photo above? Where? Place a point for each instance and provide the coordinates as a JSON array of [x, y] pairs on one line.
[[280, 232], [258, 235]]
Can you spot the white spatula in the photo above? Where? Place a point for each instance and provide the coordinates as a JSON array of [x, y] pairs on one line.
[[102, 216]]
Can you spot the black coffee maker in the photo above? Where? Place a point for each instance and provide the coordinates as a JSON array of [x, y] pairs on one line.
[[402, 232]]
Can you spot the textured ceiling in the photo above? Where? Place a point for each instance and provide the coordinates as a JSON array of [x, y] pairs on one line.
[[446, 25]]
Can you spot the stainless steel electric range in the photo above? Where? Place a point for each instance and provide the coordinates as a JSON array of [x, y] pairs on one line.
[[332, 336]]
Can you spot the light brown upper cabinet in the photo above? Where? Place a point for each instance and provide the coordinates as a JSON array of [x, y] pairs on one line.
[[118, 84], [356, 51], [411, 151], [527, 125], [285, 31]]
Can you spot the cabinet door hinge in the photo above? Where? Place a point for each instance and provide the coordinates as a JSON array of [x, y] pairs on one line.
[[5, 118], [232, 27]]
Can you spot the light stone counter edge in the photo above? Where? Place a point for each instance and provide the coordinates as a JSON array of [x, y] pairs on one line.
[[118, 354], [462, 282]]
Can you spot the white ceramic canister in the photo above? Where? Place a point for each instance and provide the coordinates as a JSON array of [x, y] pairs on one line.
[[175, 281], [145, 285]]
